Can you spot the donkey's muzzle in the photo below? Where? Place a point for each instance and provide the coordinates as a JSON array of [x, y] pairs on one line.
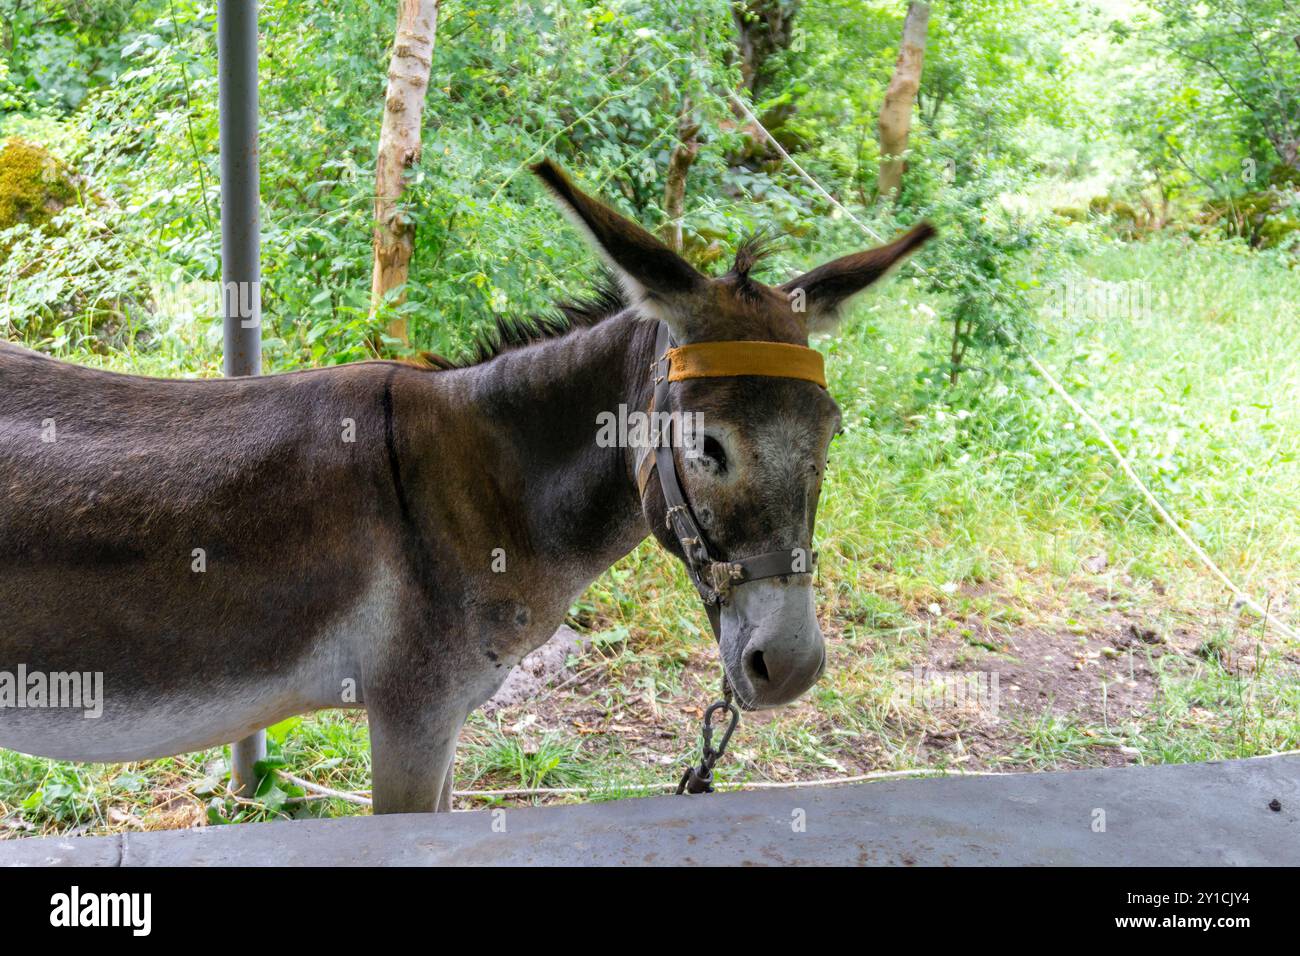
[[771, 642]]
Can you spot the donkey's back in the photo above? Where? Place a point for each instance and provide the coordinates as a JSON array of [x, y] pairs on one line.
[[209, 546]]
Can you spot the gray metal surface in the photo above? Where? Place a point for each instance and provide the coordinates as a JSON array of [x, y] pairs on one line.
[[241, 243], [1198, 814]]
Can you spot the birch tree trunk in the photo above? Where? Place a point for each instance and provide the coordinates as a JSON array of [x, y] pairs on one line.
[[896, 111], [399, 149]]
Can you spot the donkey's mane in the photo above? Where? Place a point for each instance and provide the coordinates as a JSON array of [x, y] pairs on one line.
[[607, 299], [516, 332], [751, 252]]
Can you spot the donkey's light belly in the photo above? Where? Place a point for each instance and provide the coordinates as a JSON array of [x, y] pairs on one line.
[[194, 717], [162, 729], [201, 710]]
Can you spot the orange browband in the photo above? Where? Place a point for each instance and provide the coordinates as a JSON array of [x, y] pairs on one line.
[[725, 359]]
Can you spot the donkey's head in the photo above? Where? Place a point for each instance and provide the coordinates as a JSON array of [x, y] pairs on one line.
[[753, 479]]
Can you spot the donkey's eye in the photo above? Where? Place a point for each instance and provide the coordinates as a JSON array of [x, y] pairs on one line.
[[713, 450]]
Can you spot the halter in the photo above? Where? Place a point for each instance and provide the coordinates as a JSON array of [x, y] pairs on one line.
[[714, 579]]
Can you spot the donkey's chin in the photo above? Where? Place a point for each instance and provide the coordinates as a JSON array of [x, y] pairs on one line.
[[771, 644]]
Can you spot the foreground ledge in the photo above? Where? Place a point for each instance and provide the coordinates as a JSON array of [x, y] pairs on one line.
[[1192, 815]]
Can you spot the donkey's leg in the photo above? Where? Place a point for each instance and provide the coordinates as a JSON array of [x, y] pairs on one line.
[[410, 755]]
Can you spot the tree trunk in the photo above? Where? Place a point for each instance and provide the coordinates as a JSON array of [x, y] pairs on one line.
[[399, 149], [679, 164], [896, 111], [766, 27], [764, 30]]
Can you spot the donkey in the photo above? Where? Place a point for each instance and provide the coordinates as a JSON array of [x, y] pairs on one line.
[[227, 553]]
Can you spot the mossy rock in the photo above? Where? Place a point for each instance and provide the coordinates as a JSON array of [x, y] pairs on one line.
[[1123, 218], [34, 184], [1257, 217], [1071, 213], [1257, 205], [1277, 231], [1115, 208], [1284, 177]]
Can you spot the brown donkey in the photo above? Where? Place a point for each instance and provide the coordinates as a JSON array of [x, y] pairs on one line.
[[218, 555]]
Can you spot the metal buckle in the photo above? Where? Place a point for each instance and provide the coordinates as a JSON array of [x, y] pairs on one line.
[[724, 574]]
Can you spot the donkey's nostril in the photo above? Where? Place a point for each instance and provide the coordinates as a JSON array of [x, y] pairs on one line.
[[758, 666]]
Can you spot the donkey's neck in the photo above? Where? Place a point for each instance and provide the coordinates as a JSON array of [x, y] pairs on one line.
[[566, 503]]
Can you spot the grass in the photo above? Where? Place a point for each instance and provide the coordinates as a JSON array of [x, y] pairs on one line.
[[549, 762], [973, 531]]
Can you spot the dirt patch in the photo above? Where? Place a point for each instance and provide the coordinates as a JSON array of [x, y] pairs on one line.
[[1075, 688], [1096, 678]]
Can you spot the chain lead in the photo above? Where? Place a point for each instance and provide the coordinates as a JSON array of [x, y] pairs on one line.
[[700, 779]]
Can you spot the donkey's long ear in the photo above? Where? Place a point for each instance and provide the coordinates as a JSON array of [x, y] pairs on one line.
[[656, 279], [820, 294]]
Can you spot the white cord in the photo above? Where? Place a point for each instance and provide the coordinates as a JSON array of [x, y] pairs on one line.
[[362, 800]]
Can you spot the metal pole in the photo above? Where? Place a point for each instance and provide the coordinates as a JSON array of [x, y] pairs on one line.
[[240, 245]]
